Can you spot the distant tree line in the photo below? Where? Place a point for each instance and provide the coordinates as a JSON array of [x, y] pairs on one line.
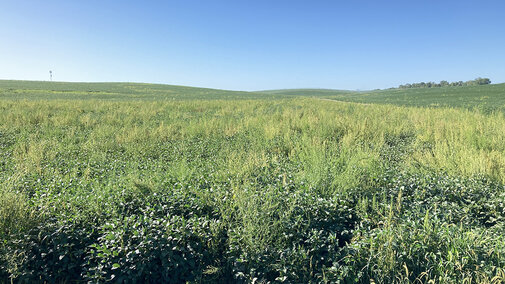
[[476, 82]]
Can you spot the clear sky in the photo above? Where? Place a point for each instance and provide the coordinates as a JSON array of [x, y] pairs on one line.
[[255, 44]]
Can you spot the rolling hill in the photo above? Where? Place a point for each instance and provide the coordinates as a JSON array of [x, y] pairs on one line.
[[42, 90], [486, 97]]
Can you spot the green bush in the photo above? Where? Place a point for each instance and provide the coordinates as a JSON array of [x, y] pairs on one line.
[[309, 236], [426, 227]]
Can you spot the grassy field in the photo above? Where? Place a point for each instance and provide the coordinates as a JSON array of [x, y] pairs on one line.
[[151, 183], [43, 90], [487, 98]]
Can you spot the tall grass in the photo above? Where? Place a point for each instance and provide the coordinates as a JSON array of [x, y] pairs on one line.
[[458, 141]]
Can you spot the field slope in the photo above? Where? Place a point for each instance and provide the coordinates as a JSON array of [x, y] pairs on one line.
[[44, 90], [485, 97]]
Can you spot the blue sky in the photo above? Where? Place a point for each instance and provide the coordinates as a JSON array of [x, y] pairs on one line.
[[254, 45]]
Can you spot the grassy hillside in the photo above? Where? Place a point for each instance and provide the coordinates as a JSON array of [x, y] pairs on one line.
[[43, 90], [486, 97], [293, 190], [307, 92]]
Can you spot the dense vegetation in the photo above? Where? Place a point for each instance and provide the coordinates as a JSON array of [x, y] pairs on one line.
[[295, 190], [476, 82]]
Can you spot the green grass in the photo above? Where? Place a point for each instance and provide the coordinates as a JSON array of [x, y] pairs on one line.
[[307, 92], [231, 188], [43, 90], [486, 97]]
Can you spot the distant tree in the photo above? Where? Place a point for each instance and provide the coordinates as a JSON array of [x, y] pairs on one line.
[[470, 83], [482, 81], [443, 83]]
